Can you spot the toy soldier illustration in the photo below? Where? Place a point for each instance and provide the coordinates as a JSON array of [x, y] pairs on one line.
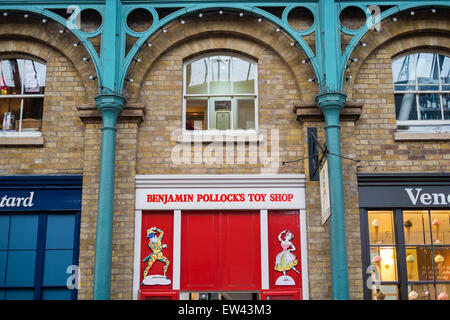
[[155, 244]]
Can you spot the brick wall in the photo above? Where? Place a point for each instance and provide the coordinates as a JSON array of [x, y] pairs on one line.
[[61, 126], [71, 146], [161, 94], [373, 86]]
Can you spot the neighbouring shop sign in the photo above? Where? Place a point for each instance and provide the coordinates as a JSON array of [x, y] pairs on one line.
[[39, 199], [40, 192], [15, 202], [405, 196], [220, 199], [325, 193]]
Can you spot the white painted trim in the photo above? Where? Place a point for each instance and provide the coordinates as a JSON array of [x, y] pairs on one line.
[[264, 232], [304, 255], [221, 135], [176, 264], [22, 134], [256, 182], [196, 185], [221, 180], [137, 252]]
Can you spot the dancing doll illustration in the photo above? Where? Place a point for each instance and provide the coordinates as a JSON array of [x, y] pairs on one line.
[[286, 260], [155, 237]]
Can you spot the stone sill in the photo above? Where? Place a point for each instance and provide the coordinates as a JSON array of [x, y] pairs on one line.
[[421, 136], [215, 136], [21, 141]]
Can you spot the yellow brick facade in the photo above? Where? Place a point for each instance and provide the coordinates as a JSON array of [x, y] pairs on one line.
[[73, 146]]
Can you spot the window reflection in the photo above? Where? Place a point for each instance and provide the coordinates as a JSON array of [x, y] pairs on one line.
[[442, 291], [196, 77], [419, 261], [428, 252], [226, 87], [406, 107], [441, 261], [416, 226], [426, 259], [445, 69], [421, 292], [381, 227], [385, 292], [196, 114], [22, 86], [385, 262], [440, 227], [421, 88], [21, 76], [427, 68], [403, 72]]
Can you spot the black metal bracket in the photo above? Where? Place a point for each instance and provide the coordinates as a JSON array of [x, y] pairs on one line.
[[313, 150]]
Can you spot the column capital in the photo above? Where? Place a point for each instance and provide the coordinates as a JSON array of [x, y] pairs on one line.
[[110, 101], [331, 100]]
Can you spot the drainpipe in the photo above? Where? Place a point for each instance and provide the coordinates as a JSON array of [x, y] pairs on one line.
[[110, 106], [331, 105]]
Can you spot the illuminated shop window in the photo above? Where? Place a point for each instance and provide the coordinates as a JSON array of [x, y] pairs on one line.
[[22, 86], [409, 252], [422, 92], [220, 92]]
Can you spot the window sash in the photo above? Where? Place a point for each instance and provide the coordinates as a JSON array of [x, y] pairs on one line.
[[416, 84], [232, 96], [41, 249], [402, 280], [22, 94], [416, 89]]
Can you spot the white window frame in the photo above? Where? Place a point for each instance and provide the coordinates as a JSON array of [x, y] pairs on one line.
[[21, 96], [211, 133], [423, 125]]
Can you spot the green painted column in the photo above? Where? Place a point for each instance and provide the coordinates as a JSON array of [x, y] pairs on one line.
[[110, 106], [331, 105]]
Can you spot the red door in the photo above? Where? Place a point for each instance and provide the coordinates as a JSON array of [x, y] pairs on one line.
[[220, 251], [286, 286], [163, 221]]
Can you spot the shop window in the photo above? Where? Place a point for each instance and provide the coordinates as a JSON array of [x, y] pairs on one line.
[[409, 254], [220, 93], [35, 253], [22, 86], [422, 92]]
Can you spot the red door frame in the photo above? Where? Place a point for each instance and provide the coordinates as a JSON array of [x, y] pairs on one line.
[[227, 227], [286, 294]]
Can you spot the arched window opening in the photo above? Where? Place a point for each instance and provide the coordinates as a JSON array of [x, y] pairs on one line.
[[22, 87], [422, 92], [220, 93]]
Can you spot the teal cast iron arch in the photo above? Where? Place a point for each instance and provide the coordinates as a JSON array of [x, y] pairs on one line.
[[372, 22], [67, 24], [255, 9]]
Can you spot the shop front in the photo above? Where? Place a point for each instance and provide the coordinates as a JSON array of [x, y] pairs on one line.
[[220, 237], [405, 235], [39, 237]]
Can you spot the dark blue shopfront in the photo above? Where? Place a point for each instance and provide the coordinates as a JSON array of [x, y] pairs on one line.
[[39, 236]]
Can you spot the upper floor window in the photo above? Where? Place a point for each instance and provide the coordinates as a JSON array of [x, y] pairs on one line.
[[22, 86], [220, 92], [422, 92]]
